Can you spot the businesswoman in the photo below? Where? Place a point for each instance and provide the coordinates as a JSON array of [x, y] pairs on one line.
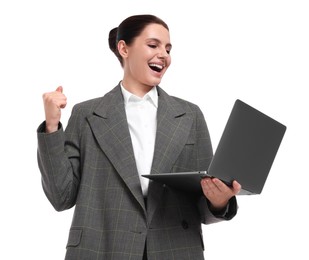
[[96, 163]]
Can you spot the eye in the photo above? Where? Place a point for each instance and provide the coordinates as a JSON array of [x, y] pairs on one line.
[[153, 46], [168, 51]]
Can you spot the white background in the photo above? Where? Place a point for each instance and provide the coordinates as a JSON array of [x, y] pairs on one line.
[[256, 51]]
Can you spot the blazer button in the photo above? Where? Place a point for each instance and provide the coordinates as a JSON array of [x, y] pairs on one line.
[[184, 224]]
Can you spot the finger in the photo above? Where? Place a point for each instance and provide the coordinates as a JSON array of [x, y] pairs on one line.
[[204, 184], [208, 186], [220, 185], [236, 187], [60, 89], [63, 102]]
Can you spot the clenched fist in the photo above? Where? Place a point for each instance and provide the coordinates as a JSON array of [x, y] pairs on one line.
[[53, 103]]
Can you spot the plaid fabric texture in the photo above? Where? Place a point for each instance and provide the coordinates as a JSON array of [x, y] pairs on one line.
[[91, 166]]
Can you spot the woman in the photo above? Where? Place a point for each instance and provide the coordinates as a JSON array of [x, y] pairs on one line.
[[136, 128]]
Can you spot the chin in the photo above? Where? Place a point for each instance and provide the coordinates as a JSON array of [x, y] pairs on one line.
[[155, 78], [156, 82]]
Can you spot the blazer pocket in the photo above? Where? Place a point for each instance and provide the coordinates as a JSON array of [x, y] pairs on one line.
[[74, 237], [191, 139]]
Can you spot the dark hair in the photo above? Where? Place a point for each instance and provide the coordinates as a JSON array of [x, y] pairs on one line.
[[129, 29]]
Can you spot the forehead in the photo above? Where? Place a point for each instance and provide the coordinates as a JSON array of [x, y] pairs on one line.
[[155, 31]]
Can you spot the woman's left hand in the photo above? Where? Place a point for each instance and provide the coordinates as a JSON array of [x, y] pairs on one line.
[[218, 193]]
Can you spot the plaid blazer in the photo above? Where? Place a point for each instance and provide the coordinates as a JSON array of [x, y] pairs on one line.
[[91, 166]]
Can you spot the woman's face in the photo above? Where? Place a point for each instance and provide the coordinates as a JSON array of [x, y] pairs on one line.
[[147, 58]]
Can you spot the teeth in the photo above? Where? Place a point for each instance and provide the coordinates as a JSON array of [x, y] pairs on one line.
[[156, 65]]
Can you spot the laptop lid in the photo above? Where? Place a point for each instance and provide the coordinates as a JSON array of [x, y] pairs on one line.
[[247, 148]]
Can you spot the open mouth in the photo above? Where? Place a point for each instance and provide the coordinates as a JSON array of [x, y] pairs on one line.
[[156, 67]]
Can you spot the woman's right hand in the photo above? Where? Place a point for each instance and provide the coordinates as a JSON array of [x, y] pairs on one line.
[[53, 103]]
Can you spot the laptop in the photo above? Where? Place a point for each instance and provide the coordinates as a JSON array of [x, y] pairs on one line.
[[245, 152]]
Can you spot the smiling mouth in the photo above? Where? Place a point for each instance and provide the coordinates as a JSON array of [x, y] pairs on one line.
[[156, 67]]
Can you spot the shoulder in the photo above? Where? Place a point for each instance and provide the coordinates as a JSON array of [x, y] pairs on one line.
[[87, 107], [186, 104], [179, 103]]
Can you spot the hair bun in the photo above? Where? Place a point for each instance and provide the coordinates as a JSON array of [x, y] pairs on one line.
[[112, 38]]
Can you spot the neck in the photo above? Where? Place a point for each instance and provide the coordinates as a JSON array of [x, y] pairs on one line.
[[139, 90]]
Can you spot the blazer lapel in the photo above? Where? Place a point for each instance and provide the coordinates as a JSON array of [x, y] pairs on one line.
[[110, 128], [173, 129]]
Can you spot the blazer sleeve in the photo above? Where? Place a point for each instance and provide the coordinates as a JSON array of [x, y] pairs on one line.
[[58, 158], [209, 217], [205, 155]]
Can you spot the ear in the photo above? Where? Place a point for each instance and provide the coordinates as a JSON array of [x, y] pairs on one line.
[[123, 49]]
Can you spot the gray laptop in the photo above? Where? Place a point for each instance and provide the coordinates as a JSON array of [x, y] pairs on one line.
[[246, 152]]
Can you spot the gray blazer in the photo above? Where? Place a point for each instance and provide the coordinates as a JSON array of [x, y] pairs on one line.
[[91, 166]]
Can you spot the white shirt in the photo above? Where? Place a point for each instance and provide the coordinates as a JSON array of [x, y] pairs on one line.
[[142, 120]]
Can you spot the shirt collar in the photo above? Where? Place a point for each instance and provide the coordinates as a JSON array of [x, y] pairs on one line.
[[152, 95]]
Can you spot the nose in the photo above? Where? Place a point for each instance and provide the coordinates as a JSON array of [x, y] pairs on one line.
[[163, 54]]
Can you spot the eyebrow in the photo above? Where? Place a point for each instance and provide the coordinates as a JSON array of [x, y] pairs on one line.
[[169, 45]]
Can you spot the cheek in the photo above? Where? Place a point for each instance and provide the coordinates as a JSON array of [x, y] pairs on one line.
[[138, 69], [169, 61], [136, 65]]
